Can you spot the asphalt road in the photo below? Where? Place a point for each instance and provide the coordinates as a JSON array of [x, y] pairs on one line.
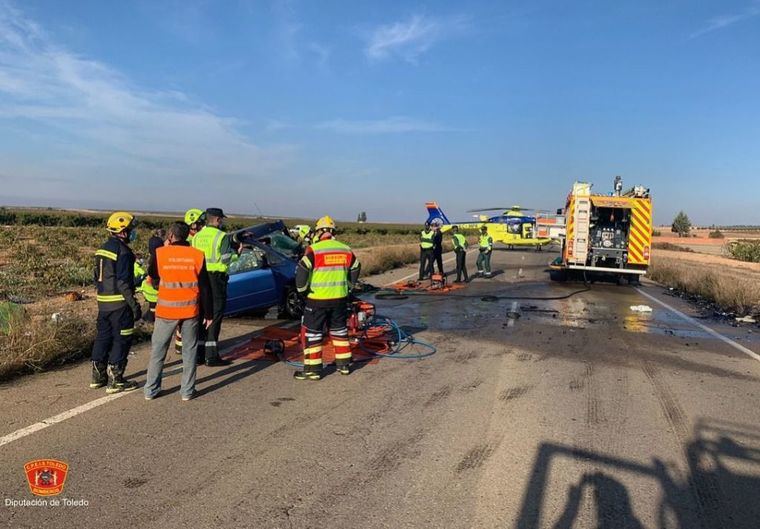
[[580, 413]]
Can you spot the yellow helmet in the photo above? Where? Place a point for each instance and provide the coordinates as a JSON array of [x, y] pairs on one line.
[[120, 221], [325, 223], [192, 216]]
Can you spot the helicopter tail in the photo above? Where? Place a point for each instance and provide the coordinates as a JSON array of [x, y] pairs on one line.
[[436, 214]]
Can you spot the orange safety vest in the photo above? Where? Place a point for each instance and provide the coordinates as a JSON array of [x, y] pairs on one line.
[[178, 291]]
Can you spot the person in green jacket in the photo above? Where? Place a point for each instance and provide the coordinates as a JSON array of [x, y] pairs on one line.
[[485, 247], [460, 250]]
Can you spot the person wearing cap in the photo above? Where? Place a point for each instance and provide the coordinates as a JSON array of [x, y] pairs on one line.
[[426, 252], [217, 248]]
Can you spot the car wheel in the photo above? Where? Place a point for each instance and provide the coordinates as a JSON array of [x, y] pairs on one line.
[[292, 305]]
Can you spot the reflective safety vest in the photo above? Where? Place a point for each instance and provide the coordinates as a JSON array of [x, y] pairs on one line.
[[178, 292], [332, 265], [460, 243], [486, 242], [209, 240], [145, 284], [426, 239]]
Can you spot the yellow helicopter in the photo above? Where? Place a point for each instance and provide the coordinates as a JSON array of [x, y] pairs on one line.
[[511, 227]]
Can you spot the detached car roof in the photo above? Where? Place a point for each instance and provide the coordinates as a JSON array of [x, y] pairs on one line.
[[253, 236]]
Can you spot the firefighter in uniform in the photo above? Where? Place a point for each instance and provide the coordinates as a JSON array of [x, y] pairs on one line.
[[426, 252], [118, 309], [216, 246], [195, 219], [325, 275], [485, 247]]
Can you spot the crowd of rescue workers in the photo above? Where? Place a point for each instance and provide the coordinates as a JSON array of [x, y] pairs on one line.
[[184, 282]]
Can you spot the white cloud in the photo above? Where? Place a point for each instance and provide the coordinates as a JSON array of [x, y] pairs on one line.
[[391, 125], [729, 19], [96, 122], [411, 38]]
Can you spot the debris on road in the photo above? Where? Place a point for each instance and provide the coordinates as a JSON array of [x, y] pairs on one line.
[[641, 308], [746, 319]]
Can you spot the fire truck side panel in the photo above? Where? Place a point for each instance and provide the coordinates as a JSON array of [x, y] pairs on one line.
[[640, 234]]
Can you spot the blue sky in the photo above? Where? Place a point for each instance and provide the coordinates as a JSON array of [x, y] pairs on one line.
[[301, 108]]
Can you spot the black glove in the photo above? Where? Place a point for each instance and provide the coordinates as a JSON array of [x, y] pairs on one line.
[[137, 313]]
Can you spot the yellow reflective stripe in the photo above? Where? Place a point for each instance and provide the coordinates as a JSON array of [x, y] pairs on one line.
[[127, 332], [110, 299], [312, 361], [340, 343], [312, 350], [306, 262], [108, 255], [343, 356]]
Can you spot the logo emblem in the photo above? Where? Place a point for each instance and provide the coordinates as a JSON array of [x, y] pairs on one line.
[[46, 476], [336, 259]]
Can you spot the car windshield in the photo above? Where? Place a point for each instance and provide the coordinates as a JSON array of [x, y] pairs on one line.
[[283, 243]]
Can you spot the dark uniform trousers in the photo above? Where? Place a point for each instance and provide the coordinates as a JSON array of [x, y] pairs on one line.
[[114, 336], [321, 316], [438, 256], [426, 262], [208, 342], [461, 256]]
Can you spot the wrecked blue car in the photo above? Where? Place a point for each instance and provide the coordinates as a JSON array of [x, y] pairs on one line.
[[263, 276]]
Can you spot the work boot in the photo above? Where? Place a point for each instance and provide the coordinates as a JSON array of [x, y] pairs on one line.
[[116, 381], [217, 361], [307, 375], [343, 369], [99, 375]]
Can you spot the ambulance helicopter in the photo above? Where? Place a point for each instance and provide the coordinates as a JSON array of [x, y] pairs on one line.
[[511, 227]]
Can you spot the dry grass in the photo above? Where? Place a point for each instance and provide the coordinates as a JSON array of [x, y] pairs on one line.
[[33, 343], [670, 246], [733, 289], [381, 259]]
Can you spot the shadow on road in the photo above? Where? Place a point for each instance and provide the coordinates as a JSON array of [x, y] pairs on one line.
[[720, 490]]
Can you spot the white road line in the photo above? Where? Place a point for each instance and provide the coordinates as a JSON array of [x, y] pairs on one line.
[[73, 412], [708, 330], [413, 274], [55, 419]]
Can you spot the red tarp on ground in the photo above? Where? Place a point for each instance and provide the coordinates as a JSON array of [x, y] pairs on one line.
[[375, 339]]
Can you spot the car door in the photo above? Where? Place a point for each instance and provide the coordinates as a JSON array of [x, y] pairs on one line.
[[252, 283]]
